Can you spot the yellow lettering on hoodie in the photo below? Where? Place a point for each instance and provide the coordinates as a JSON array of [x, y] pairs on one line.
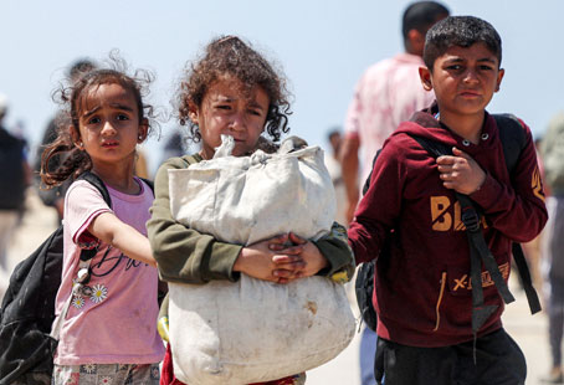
[[536, 185], [441, 219]]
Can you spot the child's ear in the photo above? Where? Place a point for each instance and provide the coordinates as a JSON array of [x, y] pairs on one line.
[[194, 113], [143, 129], [500, 74], [425, 76], [75, 136]]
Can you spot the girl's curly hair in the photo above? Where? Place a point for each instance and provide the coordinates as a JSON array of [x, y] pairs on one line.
[[229, 55], [61, 159]]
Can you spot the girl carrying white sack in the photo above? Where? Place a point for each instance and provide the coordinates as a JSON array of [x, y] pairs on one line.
[[234, 238]]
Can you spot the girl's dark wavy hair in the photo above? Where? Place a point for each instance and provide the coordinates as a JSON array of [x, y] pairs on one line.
[[62, 160], [230, 56]]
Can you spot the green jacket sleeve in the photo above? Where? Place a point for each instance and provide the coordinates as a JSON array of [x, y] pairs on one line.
[[336, 249], [183, 254]]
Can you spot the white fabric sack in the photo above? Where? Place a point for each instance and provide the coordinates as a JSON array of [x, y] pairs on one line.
[[248, 199], [253, 330]]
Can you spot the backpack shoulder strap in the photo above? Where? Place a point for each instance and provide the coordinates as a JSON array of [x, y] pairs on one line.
[[512, 136], [149, 183], [95, 181], [86, 256], [513, 140], [433, 147]]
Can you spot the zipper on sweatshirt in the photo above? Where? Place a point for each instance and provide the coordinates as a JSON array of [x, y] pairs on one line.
[[439, 300]]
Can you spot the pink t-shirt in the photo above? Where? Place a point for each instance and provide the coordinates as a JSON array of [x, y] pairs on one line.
[[118, 323], [388, 93]]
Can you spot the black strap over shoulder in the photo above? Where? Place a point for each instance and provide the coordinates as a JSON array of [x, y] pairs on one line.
[[149, 183], [513, 140], [512, 136], [479, 252], [95, 181]]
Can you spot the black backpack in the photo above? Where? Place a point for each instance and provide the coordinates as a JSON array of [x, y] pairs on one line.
[[513, 139], [28, 307], [12, 193]]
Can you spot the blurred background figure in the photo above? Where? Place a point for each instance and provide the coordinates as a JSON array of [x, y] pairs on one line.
[[141, 165], [54, 197], [334, 167], [15, 176], [552, 155], [174, 146], [388, 93]]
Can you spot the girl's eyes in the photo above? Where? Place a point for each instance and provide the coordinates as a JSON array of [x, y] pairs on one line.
[[228, 107], [96, 120], [93, 120]]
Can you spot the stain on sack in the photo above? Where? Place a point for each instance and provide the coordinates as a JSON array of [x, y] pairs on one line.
[[312, 307]]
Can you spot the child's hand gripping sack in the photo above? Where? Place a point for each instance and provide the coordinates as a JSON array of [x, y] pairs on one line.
[[254, 330]]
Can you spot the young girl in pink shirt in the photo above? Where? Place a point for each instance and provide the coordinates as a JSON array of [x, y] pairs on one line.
[[108, 332]]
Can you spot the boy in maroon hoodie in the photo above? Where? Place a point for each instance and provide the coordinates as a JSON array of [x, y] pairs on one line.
[[423, 294]]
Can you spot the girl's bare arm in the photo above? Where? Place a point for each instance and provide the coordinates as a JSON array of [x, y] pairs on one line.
[[108, 228]]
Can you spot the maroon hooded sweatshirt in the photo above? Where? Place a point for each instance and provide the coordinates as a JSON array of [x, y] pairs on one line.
[[423, 292]]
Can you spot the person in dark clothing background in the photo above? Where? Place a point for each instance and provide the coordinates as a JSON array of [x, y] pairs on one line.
[[54, 197]]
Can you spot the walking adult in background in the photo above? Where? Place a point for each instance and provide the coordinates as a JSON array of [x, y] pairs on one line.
[[15, 175], [54, 197], [388, 93], [552, 154]]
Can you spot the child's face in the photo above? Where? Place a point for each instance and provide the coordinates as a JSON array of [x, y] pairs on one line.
[[464, 80], [109, 124], [227, 109]]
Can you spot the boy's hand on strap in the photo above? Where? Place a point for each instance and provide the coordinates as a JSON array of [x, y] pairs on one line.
[[460, 172], [271, 260], [312, 258]]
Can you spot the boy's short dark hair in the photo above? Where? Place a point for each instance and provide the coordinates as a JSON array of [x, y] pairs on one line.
[[421, 15], [460, 31]]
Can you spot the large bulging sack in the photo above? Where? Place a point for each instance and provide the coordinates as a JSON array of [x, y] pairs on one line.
[[248, 199], [252, 330]]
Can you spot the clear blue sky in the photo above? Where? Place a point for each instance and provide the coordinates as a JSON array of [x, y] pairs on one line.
[[322, 45]]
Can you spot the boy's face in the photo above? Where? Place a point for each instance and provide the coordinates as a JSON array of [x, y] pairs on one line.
[[464, 80]]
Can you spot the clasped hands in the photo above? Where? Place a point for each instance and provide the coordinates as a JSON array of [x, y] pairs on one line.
[[281, 259]]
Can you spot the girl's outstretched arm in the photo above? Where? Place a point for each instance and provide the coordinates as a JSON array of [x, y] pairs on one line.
[[108, 228]]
